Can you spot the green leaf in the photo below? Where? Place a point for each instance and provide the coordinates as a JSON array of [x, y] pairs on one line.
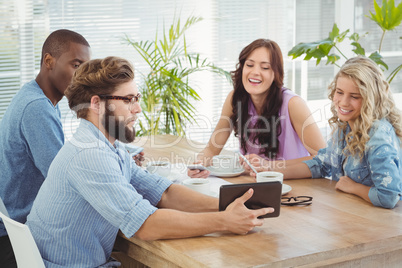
[[342, 36], [388, 17], [354, 37], [334, 33], [359, 50], [394, 73], [377, 58], [332, 59], [308, 48], [317, 50]]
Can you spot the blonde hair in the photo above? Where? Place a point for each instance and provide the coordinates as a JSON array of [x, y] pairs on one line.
[[377, 103]]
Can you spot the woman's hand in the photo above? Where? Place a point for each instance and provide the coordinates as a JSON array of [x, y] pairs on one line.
[[197, 173], [259, 164], [346, 184]]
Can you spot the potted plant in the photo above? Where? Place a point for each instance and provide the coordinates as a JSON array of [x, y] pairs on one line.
[[387, 17], [167, 92]]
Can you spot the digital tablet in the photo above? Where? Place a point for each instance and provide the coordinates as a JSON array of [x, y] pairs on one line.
[[266, 194]]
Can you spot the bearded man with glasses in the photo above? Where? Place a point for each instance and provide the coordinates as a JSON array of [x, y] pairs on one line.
[[93, 180]]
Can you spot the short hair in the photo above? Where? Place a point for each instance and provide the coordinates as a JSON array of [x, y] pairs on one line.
[[97, 77], [59, 41]]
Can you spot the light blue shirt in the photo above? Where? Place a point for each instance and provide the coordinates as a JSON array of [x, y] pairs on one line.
[[93, 189], [380, 168], [31, 134]]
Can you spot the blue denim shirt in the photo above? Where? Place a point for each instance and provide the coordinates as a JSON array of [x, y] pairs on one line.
[[380, 167]]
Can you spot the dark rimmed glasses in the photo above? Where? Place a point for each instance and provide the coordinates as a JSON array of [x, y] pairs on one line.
[[298, 200], [127, 100]]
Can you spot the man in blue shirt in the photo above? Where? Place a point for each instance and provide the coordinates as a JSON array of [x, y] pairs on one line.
[[31, 132], [94, 188]]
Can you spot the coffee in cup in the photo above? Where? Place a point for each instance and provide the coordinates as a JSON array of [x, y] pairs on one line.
[[162, 168], [269, 176], [199, 185]]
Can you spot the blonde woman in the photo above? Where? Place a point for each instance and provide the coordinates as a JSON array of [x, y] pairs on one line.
[[364, 154]]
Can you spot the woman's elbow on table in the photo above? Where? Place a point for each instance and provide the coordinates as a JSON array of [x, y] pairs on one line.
[[390, 203], [384, 200]]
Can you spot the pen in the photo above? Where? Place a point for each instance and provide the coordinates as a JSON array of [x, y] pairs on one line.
[[248, 163]]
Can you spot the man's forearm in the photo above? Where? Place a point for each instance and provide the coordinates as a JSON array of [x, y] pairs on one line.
[[168, 224], [182, 198]]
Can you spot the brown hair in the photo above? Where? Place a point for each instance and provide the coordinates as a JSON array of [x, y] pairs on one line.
[[97, 77], [273, 101]]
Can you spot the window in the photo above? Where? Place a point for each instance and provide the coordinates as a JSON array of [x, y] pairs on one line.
[[227, 27], [392, 45]]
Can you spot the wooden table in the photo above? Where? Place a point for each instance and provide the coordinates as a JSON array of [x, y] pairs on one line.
[[336, 230]]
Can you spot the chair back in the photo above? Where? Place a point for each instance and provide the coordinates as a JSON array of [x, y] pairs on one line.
[[3, 208], [25, 249]]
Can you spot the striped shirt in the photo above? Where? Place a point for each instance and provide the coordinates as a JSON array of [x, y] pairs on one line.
[[93, 189]]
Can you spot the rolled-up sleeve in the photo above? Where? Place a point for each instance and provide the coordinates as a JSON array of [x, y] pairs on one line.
[[383, 155], [108, 191], [150, 186], [320, 165]]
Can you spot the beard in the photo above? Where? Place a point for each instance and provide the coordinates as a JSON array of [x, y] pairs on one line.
[[117, 128]]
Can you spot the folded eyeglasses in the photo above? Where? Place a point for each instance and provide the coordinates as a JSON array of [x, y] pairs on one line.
[[298, 200]]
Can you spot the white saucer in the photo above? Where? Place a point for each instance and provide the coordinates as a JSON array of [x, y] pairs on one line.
[[286, 189], [224, 173]]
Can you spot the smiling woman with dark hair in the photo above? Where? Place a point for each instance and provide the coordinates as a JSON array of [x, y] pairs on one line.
[[271, 121]]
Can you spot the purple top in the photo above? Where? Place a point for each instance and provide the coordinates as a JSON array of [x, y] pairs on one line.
[[294, 147]]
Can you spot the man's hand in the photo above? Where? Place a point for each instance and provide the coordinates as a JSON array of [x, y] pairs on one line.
[[139, 158], [242, 220]]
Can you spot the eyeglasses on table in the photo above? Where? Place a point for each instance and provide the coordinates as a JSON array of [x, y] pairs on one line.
[[296, 200]]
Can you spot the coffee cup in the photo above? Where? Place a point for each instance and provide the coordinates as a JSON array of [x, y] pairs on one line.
[[269, 176], [162, 168], [199, 185], [225, 162]]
